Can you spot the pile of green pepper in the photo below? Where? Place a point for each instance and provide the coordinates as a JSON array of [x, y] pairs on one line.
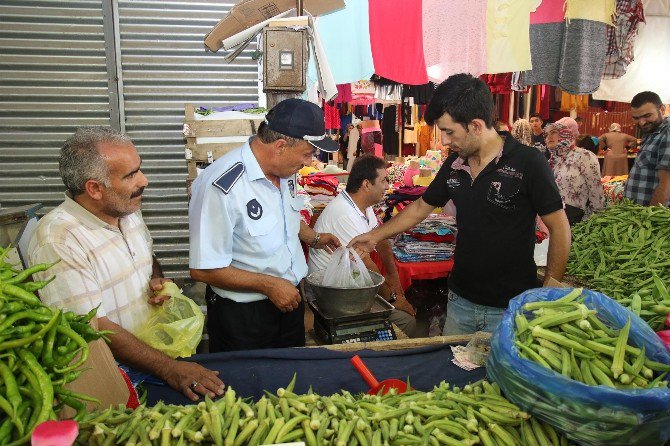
[[624, 252], [41, 350], [476, 414]]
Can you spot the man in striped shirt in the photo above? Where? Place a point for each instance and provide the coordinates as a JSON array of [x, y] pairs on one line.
[[106, 254]]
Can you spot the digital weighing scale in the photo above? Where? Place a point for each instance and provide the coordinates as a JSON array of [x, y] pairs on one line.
[[365, 327]]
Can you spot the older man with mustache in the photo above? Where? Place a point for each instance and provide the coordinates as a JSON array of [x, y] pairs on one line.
[[106, 253]]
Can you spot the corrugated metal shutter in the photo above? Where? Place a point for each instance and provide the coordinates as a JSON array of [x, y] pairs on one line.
[[165, 66], [53, 78]]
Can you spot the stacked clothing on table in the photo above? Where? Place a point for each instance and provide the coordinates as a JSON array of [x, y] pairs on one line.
[[429, 241], [399, 199], [322, 189]]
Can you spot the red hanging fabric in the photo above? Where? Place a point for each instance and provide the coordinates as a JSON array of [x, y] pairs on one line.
[[396, 40]]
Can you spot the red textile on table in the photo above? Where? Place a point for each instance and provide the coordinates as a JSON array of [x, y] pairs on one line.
[[408, 271], [447, 238], [396, 40]]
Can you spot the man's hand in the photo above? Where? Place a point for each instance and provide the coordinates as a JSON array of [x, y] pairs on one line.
[[403, 304], [328, 241], [156, 285], [363, 244], [283, 294], [192, 380]]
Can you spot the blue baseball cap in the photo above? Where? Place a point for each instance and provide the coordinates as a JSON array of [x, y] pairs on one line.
[[303, 120]]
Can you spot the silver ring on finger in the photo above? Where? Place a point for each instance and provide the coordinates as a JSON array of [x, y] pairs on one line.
[[194, 384]]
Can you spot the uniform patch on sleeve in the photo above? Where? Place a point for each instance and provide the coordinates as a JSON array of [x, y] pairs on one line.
[[228, 179]]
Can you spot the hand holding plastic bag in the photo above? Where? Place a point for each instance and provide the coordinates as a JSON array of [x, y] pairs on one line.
[[174, 328], [346, 270]]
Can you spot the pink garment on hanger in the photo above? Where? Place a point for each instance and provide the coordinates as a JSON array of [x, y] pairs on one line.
[[343, 93], [396, 39], [459, 47], [548, 12]]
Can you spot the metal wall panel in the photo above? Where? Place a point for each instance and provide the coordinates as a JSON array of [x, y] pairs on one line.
[[164, 66], [53, 79]]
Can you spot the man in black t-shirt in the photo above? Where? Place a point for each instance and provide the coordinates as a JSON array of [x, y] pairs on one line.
[[498, 187]]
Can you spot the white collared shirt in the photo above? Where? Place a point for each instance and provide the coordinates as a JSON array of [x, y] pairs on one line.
[[229, 228], [343, 219], [101, 264]]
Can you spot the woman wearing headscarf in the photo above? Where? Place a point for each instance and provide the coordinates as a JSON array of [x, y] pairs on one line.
[[522, 132], [577, 173]]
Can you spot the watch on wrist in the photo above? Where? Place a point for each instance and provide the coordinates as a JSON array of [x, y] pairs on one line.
[[314, 242], [392, 298]]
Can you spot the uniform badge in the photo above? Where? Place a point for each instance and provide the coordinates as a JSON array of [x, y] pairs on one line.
[[254, 209], [291, 187]]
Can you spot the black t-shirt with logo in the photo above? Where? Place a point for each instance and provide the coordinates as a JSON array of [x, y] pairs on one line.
[[493, 261]]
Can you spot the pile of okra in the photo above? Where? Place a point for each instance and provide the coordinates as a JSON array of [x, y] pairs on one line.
[[624, 252], [41, 350], [447, 415], [567, 337]]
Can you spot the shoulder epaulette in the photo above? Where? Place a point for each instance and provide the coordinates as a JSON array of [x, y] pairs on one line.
[[228, 179]]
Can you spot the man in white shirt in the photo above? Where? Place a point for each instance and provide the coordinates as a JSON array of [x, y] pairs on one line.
[[350, 214], [105, 253]]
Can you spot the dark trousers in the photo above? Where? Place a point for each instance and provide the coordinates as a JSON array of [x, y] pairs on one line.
[[254, 325]]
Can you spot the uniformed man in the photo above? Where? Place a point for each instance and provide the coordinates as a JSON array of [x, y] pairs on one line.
[[245, 232]]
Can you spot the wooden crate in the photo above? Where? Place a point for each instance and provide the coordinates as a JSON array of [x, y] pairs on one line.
[[201, 154]]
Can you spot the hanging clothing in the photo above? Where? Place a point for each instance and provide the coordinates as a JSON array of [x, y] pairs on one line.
[[652, 49], [459, 47], [507, 42], [331, 115], [349, 54], [570, 56], [425, 137], [389, 131], [396, 39], [421, 94], [343, 93], [621, 36], [596, 10], [574, 102]]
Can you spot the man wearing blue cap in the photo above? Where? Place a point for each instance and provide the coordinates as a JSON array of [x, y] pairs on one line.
[[245, 232]]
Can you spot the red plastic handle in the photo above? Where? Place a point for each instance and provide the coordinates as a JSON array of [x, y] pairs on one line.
[[367, 375]]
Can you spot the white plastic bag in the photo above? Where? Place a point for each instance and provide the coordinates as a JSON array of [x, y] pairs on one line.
[[346, 270]]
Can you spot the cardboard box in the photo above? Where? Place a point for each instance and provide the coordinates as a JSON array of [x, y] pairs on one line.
[[101, 379], [251, 12]]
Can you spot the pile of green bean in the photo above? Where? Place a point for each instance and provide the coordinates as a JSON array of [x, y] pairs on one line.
[[476, 414], [41, 350], [566, 336], [624, 252]]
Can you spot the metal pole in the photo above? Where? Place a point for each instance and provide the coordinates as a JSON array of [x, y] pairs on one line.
[[298, 7], [110, 18]]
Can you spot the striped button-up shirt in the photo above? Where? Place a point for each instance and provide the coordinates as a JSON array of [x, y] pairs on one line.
[[100, 264]]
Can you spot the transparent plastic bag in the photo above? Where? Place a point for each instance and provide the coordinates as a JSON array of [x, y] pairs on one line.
[[346, 270], [589, 415], [174, 328]]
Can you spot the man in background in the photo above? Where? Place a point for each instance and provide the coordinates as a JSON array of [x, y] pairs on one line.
[[537, 138], [351, 214], [649, 180]]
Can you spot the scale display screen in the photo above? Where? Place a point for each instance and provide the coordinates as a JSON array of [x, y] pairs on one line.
[[350, 333]]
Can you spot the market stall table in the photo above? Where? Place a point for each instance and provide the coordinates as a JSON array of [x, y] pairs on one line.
[[327, 369], [409, 271]]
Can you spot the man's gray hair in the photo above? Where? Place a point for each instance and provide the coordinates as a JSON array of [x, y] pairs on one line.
[[80, 160]]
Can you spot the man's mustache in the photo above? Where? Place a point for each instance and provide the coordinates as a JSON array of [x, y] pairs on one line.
[[138, 193]]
